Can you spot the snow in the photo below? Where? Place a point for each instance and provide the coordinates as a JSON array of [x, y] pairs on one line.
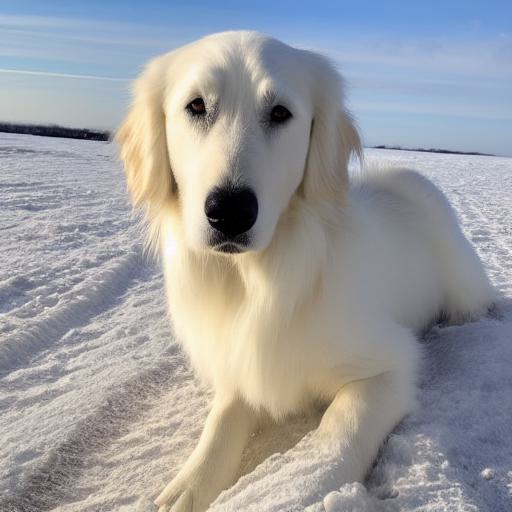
[[98, 408]]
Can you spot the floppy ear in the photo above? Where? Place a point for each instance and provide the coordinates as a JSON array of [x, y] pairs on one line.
[[142, 139], [334, 137]]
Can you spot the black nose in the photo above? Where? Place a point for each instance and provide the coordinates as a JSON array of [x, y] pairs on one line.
[[232, 211]]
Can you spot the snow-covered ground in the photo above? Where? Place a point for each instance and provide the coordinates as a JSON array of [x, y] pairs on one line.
[[98, 408]]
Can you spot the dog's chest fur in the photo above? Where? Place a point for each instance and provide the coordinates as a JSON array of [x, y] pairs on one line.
[[245, 329], [238, 343]]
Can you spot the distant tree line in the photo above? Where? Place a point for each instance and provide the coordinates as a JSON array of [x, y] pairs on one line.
[[54, 130], [434, 150]]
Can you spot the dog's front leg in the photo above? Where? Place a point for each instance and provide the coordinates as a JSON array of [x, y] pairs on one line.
[[360, 417], [214, 464], [340, 451]]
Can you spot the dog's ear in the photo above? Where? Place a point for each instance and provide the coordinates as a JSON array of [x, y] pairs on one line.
[[334, 137], [142, 139]]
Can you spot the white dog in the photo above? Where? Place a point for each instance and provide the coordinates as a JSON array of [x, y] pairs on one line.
[[286, 284]]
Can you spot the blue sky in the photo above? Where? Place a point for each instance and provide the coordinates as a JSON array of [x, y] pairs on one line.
[[429, 74]]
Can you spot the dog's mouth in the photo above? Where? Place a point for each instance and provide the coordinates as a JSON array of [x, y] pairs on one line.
[[229, 248], [230, 245]]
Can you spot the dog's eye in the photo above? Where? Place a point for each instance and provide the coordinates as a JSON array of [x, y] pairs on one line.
[[196, 107], [280, 114]]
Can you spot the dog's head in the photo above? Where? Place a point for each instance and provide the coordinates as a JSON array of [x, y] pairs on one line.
[[230, 128]]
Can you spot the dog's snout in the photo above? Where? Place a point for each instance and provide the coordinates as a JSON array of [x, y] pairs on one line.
[[232, 211]]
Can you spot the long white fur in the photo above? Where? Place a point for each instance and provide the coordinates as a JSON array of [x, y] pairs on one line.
[[338, 280]]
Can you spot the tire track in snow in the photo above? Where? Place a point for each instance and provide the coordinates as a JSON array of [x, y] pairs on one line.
[[97, 295], [52, 481]]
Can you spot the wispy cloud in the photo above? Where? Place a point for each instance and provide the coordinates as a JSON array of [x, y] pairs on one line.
[[86, 30], [165, 32], [430, 108], [63, 75], [96, 42], [484, 57], [8, 20], [443, 77], [112, 37]]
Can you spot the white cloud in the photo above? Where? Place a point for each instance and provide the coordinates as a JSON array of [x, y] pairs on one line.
[[472, 57], [8, 20], [79, 40], [112, 37], [63, 75]]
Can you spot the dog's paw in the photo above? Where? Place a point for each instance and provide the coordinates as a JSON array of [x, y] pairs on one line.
[[144, 504], [191, 494], [183, 503]]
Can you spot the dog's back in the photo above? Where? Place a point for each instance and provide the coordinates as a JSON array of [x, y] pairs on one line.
[[405, 204]]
